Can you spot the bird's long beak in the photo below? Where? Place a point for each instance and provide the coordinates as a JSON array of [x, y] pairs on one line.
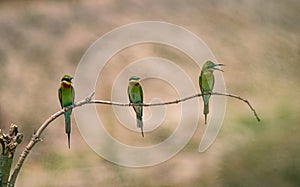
[[214, 68]]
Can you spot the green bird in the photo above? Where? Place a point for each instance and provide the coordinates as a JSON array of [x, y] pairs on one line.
[[66, 96], [206, 83], [135, 94]]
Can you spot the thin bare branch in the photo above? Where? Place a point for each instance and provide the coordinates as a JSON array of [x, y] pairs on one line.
[[239, 98], [88, 100], [177, 101], [36, 137]]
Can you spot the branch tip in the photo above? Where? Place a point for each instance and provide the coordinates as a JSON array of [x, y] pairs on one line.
[[88, 98]]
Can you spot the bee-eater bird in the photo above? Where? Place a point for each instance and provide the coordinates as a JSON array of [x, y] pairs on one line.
[[206, 82], [135, 94], [66, 96]]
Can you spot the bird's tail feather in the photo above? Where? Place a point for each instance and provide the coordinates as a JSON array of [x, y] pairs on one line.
[[206, 111], [142, 130], [68, 125], [140, 124], [69, 139]]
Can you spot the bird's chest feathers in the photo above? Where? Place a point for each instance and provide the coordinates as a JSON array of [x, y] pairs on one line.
[[208, 80], [66, 95], [135, 94], [66, 85]]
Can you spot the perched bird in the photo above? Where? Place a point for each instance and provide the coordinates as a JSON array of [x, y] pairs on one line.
[[206, 82], [66, 96], [135, 94]]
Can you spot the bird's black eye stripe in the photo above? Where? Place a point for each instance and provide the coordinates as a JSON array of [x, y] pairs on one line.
[[66, 79]]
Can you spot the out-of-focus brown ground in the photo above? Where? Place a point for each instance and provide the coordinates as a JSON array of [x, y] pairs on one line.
[[258, 41]]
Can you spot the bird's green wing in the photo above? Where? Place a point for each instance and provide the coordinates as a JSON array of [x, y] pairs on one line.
[[141, 92], [141, 99], [60, 96], [200, 82], [203, 83], [129, 94], [73, 95]]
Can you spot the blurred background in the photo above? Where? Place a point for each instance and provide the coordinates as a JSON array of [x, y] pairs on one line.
[[258, 40]]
